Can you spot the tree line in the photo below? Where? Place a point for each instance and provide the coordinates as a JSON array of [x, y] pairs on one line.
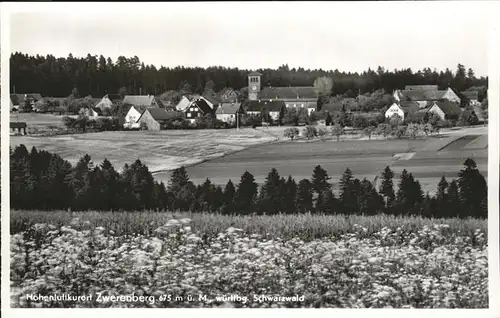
[[41, 180], [98, 75]]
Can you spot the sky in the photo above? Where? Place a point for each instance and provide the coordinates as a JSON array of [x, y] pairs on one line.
[[348, 36]]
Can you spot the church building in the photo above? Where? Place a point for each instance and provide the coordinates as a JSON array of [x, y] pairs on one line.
[[293, 97]]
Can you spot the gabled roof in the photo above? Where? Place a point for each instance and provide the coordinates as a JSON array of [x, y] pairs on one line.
[[289, 92], [421, 87], [409, 106], [202, 105], [160, 114], [228, 108], [449, 108], [18, 99], [212, 99], [255, 105], [479, 113], [254, 74], [416, 95], [139, 100], [471, 95]]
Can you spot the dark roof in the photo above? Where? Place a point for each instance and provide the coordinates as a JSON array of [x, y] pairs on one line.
[[139, 100], [228, 108], [114, 97], [18, 99], [289, 92], [416, 95], [202, 105], [409, 107], [334, 107], [212, 99], [479, 113], [255, 105], [255, 74], [449, 108], [421, 87], [160, 114], [471, 95], [20, 124]]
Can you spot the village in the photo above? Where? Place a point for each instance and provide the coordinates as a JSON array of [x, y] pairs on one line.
[[257, 105]]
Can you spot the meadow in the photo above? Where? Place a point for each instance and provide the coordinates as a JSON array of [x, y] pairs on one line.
[[330, 261]]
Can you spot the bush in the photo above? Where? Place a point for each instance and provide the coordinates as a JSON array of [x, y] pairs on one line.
[[322, 132], [337, 131], [400, 131], [360, 121], [310, 132], [383, 129], [291, 133]]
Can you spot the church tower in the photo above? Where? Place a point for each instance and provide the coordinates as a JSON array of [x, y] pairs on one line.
[[254, 85]]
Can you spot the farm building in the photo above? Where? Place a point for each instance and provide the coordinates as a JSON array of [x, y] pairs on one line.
[[226, 112], [297, 97], [229, 95], [395, 109], [472, 97], [197, 108], [211, 100], [89, 112], [132, 116], [104, 103], [19, 127], [426, 95], [140, 100], [445, 110], [19, 99], [479, 114], [421, 88], [183, 104], [155, 118], [276, 109]]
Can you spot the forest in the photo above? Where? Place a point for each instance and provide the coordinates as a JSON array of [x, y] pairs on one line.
[[98, 75], [44, 181]]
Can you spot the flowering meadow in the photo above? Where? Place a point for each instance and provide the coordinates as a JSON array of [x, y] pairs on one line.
[[405, 263]]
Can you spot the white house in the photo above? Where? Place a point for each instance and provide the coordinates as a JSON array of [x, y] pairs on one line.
[[183, 104], [105, 103], [227, 112], [395, 109], [132, 117], [89, 112]]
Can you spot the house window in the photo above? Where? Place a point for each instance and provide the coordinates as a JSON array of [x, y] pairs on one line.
[[294, 105], [188, 114], [301, 105], [232, 116]]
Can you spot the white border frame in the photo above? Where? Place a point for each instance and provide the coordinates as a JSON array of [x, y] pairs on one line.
[[493, 197]]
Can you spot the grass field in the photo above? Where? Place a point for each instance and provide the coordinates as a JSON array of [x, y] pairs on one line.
[[163, 150], [305, 226], [225, 154], [326, 261]]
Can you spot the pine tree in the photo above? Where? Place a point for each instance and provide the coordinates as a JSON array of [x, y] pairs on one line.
[[246, 193], [473, 190], [290, 196], [326, 202], [228, 198], [304, 196], [271, 194], [181, 191], [349, 190], [441, 201], [320, 180], [453, 206], [369, 201], [387, 187], [409, 195]]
